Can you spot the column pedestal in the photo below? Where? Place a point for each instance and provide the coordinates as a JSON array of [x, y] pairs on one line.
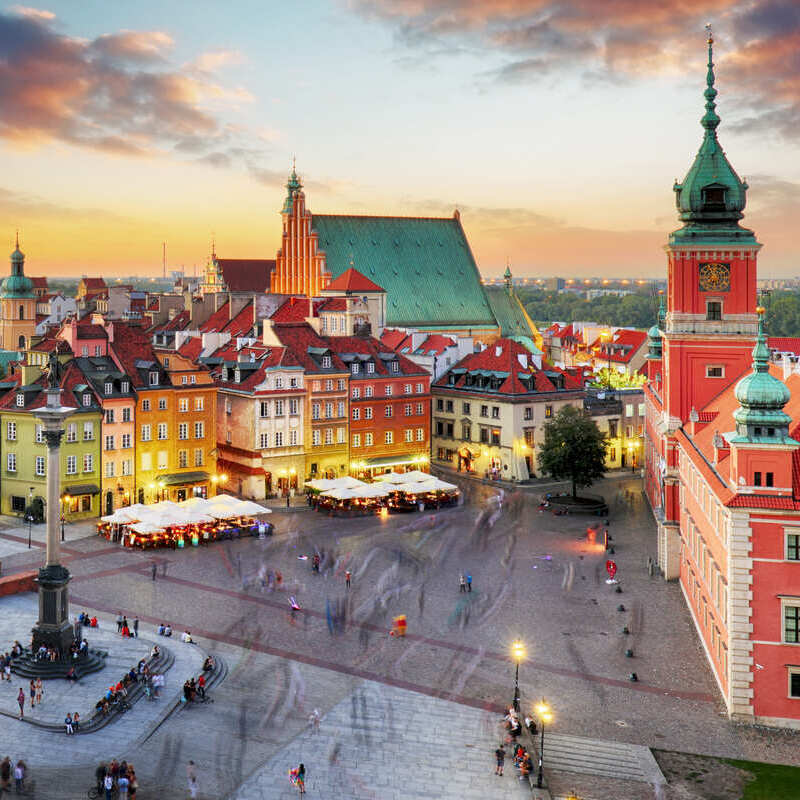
[[53, 628]]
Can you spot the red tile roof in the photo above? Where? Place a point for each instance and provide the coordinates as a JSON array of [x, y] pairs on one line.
[[246, 274], [191, 348], [177, 323], [392, 337], [94, 283], [131, 344], [351, 280], [296, 309], [435, 345], [264, 358], [217, 321], [333, 304], [508, 362], [785, 344], [90, 331], [624, 345], [242, 323]]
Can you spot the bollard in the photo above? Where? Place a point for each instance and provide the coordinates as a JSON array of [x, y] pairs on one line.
[[620, 607], [629, 653], [625, 630], [633, 677], [618, 590]]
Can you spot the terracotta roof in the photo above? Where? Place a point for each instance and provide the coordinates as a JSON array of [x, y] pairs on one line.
[[84, 331], [264, 358], [94, 283], [71, 377], [392, 337], [333, 304], [367, 345], [191, 348], [624, 344], [351, 280], [435, 345], [785, 344], [246, 274], [131, 347], [298, 337], [505, 359], [242, 323], [217, 321], [296, 309], [177, 323], [51, 343], [39, 283]]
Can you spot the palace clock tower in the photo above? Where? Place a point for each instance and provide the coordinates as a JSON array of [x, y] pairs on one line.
[[711, 319]]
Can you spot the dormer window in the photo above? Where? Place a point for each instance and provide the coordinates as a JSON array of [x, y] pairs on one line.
[[278, 382], [370, 367], [326, 362], [237, 376], [395, 366], [225, 374], [87, 399], [154, 379], [20, 400], [355, 368], [125, 387], [108, 388]]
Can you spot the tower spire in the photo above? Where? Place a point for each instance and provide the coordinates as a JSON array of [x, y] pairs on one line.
[[16, 240], [710, 119]]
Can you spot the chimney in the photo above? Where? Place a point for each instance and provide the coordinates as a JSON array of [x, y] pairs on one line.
[[694, 418]]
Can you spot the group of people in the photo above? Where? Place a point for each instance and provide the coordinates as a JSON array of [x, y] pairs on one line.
[[36, 691], [5, 661], [85, 619], [8, 770], [164, 630], [465, 583], [126, 630], [193, 688], [298, 777], [72, 723], [116, 775]]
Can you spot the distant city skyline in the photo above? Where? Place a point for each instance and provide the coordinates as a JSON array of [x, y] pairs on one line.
[[557, 131]]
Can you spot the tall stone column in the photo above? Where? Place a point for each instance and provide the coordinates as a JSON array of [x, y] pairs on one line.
[[53, 628]]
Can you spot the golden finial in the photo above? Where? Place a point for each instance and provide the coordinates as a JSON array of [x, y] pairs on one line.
[[710, 33], [760, 310]]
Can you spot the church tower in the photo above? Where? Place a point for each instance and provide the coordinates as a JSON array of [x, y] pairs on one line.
[[17, 305], [300, 266], [711, 287]]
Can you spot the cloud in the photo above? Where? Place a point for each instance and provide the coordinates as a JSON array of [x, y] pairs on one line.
[[34, 13], [117, 93], [212, 60], [758, 50], [20, 207]]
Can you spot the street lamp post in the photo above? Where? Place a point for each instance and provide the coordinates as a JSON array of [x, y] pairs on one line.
[[517, 653], [545, 717], [29, 515]]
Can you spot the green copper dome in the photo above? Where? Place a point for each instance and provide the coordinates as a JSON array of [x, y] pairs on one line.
[[292, 185], [761, 398], [17, 284], [712, 197]]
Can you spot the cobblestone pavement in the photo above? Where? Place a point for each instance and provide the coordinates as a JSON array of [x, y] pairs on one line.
[[534, 577]]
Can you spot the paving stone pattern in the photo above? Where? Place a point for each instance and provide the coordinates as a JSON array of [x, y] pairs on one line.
[[388, 743]]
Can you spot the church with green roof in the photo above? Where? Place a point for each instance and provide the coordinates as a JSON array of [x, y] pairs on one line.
[[424, 264]]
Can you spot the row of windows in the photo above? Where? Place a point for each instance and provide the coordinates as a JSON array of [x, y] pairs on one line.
[[317, 436], [72, 432], [278, 439], [409, 435], [39, 463], [162, 459], [448, 406], [111, 416], [712, 576], [485, 435], [409, 410], [126, 441], [126, 468], [717, 642], [388, 390], [162, 430], [341, 385], [328, 408]]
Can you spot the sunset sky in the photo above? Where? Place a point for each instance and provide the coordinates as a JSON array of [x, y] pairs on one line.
[[557, 128]]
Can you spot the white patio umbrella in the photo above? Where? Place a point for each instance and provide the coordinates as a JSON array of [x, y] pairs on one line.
[[222, 511], [391, 477], [196, 518], [321, 484], [414, 476], [249, 507], [146, 528], [347, 482], [342, 493], [224, 500], [194, 503], [432, 485], [374, 490]]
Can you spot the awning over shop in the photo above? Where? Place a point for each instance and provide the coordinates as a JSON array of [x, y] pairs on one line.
[[82, 488], [182, 478], [390, 461]]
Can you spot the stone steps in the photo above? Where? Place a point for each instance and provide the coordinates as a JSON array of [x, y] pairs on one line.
[[27, 667], [565, 753]]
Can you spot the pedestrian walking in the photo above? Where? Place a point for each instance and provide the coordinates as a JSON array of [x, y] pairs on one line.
[[39, 691], [469, 583], [76, 721], [191, 777], [33, 693], [136, 627], [462, 583], [500, 756], [288, 501], [21, 702], [19, 774], [5, 774], [301, 778], [108, 785], [347, 578], [122, 786], [68, 724], [154, 570], [119, 623]]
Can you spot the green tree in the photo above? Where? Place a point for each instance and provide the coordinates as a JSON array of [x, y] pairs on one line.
[[614, 379], [573, 448]]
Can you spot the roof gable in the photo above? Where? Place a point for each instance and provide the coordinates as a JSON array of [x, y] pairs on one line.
[[351, 280]]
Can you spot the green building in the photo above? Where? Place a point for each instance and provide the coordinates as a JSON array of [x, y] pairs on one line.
[[23, 452]]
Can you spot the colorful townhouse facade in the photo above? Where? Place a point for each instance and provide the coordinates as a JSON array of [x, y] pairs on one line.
[[489, 411], [23, 452]]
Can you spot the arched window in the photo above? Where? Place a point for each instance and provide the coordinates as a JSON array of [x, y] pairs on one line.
[[21, 343], [22, 312]]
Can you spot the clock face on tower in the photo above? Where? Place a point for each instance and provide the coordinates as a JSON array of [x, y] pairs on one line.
[[714, 277]]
